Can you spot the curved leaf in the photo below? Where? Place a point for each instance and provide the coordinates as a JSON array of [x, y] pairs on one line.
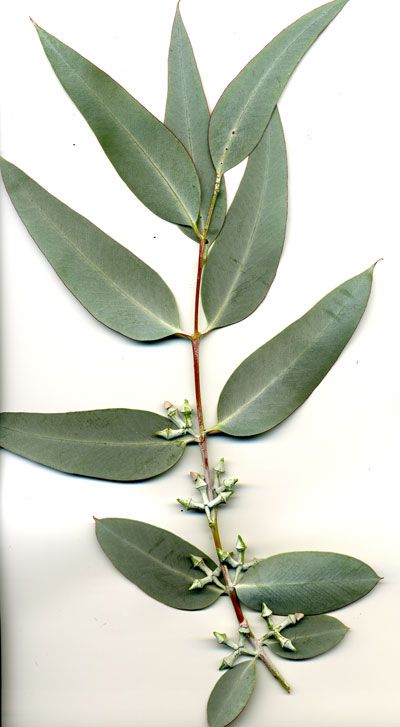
[[244, 109], [231, 694], [310, 582], [110, 444], [242, 264], [312, 636], [115, 286], [188, 116], [146, 155], [279, 376], [156, 561]]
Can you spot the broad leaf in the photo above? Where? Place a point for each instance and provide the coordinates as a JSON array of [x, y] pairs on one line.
[[242, 264], [244, 109], [231, 694], [310, 582], [312, 636], [146, 155], [279, 376], [157, 561], [115, 286], [110, 444], [188, 116]]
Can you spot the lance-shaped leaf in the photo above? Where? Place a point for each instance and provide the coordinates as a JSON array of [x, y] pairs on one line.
[[279, 376], [312, 636], [244, 109], [157, 561], [110, 444], [147, 156], [242, 264], [188, 116], [310, 582], [115, 286], [231, 694]]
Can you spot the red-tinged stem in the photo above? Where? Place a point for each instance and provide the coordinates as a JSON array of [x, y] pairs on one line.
[[213, 520], [203, 436]]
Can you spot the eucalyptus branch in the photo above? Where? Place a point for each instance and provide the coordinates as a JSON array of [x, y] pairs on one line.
[[213, 520], [177, 170]]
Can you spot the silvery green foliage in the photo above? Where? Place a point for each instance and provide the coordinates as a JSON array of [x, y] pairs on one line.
[[176, 169]]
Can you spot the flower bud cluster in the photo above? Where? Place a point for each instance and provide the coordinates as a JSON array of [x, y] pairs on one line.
[[211, 576], [182, 418], [275, 630], [239, 648]]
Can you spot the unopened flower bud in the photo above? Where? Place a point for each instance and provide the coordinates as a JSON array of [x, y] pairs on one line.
[[170, 433], [221, 638], [223, 554], [229, 483], [266, 612], [240, 544]]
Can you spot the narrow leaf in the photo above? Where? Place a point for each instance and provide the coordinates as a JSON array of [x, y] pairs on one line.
[[312, 636], [188, 116], [310, 582], [242, 264], [115, 286], [146, 155], [110, 444], [244, 109], [231, 694], [279, 376], [157, 561]]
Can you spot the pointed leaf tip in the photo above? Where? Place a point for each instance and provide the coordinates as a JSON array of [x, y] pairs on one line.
[[112, 283], [150, 159], [247, 103], [269, 385]]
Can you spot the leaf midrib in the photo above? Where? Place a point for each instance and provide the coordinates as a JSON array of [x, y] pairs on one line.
[[146, 554], [289, 584], [230, 140], [168, 183], [49, 220], [94, 442], [248, 247], [233, 688], [284, 371]]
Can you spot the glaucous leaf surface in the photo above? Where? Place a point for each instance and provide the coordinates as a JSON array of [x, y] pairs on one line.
[[115, 286], [311, 582], [188, 116], [244, 109], [312, 636], [231, 694], [155, 560], [110, 444], [242, 264], [147, 156], [279, 376]]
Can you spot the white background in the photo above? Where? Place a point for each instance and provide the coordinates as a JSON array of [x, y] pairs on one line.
[[82, 646]]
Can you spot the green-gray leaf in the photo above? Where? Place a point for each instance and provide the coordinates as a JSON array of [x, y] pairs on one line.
[[242, 264], [110, 444], [188, 116], [155, 560], [244, 109], [231, 694], [310, 582], [314, 635], [279, 376], [147, 156], [115, 286]]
